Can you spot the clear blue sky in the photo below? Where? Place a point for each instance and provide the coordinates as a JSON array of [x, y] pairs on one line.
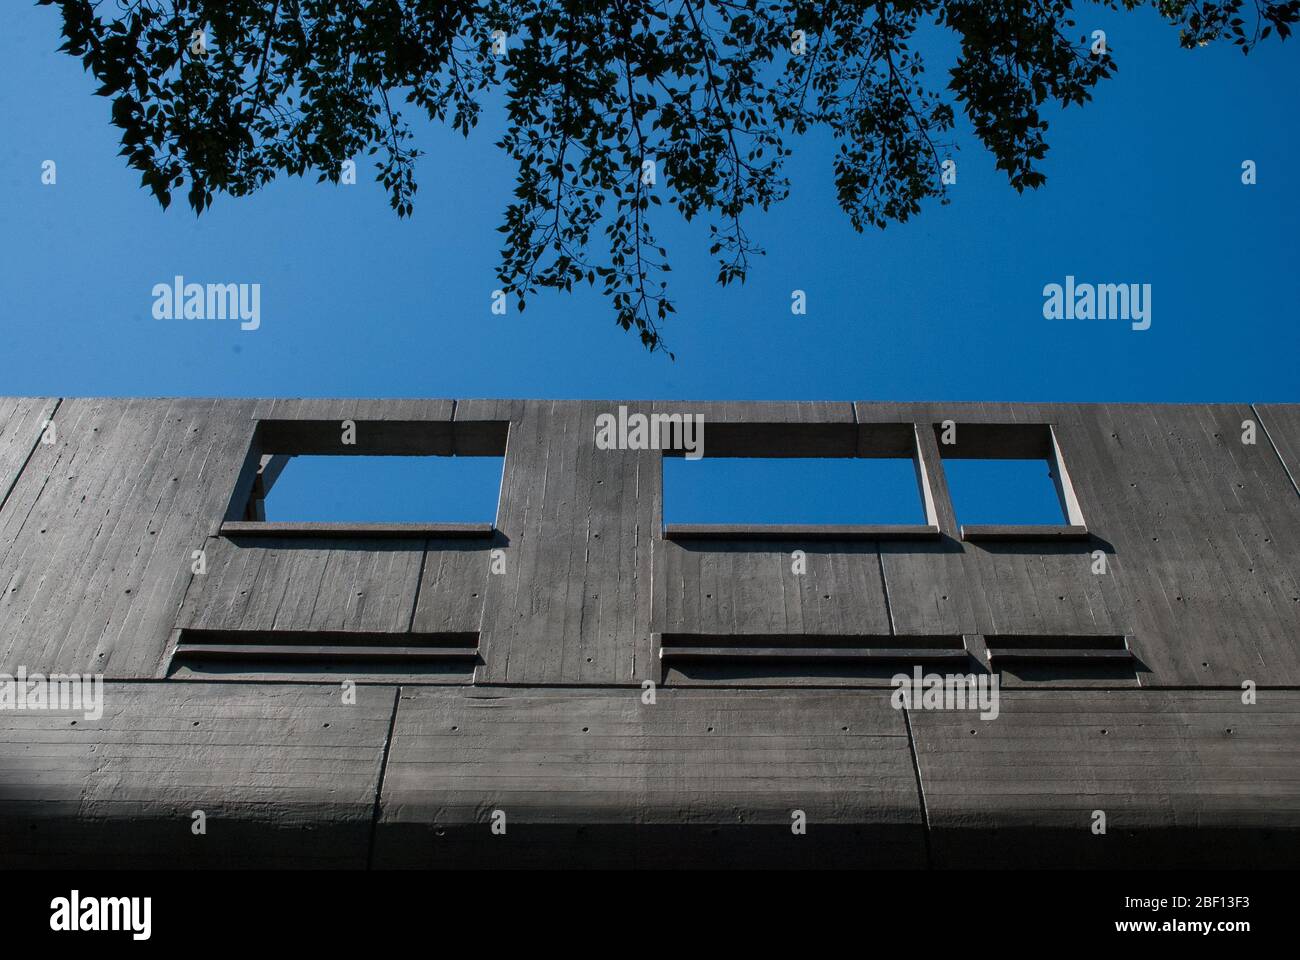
[[1143, 186]]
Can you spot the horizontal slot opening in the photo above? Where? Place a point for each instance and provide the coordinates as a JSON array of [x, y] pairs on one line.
[[802, 657], [874, 644], [310, 651], [1056, 642], [1058, 648], [1062, 658]]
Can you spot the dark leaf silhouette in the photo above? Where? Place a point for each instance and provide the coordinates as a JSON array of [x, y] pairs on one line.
[[614, 110]]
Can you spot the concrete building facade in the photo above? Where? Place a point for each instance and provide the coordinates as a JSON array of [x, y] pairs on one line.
[[576, 683]]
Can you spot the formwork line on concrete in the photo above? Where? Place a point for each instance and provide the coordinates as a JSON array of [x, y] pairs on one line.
[[920, 787], [28, 459], [419, 582], [1276, 452], [379, 782], [884, 586]]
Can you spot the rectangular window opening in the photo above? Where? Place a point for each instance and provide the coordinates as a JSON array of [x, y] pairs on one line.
[[382, 490], [370, 478], [811, 490]]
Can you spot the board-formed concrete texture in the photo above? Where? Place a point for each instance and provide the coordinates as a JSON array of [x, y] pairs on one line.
[[577, 684]]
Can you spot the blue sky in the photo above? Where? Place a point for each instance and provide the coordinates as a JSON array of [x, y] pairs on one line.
[[1143, 186]]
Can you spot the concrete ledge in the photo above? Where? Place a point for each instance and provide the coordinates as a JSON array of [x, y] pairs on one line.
[[1024, 532], [798, 531], [247, 528]]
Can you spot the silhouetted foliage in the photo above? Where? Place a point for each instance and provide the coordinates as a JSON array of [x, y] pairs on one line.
[[222, 95]]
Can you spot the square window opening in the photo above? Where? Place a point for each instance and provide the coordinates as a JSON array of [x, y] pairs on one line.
[[1008, 481], [989, 492]]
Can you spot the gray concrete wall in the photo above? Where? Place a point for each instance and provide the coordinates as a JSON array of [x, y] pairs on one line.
[[1201, 533]]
